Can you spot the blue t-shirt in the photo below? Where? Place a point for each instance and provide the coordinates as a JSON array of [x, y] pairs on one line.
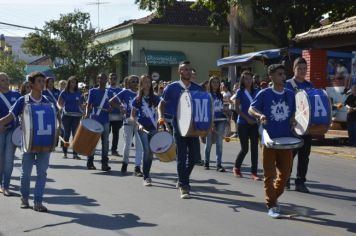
[[94, 98], [72, 101], [171, 95], [115, 91], [52, 96], [126, 97], [11, 97], [18, 107], [218, 108], [244, 105], [278, 107], [146, 114], [304, 85]]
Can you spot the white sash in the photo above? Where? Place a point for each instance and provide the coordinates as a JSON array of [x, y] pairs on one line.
[[183, 85], [294, 85], [51, 94], [4, 99], [148, 111], [248, 95], [101, 103]]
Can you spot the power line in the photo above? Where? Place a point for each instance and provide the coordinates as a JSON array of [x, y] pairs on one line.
[[21, 26], [98, 3]]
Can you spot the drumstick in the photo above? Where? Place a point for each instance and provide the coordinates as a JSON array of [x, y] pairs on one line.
[[65, 144]]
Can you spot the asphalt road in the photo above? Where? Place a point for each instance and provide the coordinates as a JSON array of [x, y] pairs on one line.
[[83, 202]]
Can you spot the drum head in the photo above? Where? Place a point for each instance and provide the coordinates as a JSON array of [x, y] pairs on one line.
[[286, 141], [184, 113], [92, 125], [302, 113], [27, 128], [17, 137], [161, 142]]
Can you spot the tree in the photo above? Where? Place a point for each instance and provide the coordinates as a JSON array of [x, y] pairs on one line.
[[15, 69], [70, 39]]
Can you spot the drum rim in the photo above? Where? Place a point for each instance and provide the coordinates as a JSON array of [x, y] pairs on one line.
[[91, 120], [157, 134]]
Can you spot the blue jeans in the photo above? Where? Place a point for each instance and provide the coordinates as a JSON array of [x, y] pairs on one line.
[[104, 147], [147, 153], [7, 151], [41, 160], [129, 130], [219, 129], [185, 145], [351, 128], [70, 124]]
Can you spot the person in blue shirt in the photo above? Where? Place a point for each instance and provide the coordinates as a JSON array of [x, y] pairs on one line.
[[7, 149], [220, 120], [70, 102], [50, 91], [124, 101], [144, 111], [40, 159], [247, 125], [98, 109], [296, 83], [274, 107], [185, 145], [115, 116]]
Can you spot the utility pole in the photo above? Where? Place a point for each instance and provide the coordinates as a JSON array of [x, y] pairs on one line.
[[232, 43], [98, 3]]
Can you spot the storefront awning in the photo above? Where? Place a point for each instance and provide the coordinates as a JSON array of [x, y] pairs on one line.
[[164, 58]]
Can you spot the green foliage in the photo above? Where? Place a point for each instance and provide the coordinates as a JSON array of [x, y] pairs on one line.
[[71, 39], [15, 69]]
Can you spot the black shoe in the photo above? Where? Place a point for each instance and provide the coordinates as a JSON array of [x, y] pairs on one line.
[[301, 188], [206, 165], [287, 185], [24, 203], [132, 144], [105, 168], [65, 156], [39, 207], [76, 157], [199, 163], [138, 172], [220, 169], [91, 167], [115, 153], [124, 168]]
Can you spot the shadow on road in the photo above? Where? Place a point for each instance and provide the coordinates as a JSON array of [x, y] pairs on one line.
[[107, 222], [332, 188]]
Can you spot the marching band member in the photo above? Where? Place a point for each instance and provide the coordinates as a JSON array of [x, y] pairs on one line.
[[275, 107], [144, 109], [296, 83], [98, 108], [69, 102], [170, 97], [115, 116], [50, 91], [7, 149], [125, 98], [247, 125], [219, 125], [40, 159]]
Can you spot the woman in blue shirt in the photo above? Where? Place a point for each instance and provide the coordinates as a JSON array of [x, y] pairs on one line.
[[144, 111], [70, 102], [247, 125], [51, 92], [219, 125]]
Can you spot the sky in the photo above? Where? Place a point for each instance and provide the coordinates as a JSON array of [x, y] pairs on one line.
[[34, 13]]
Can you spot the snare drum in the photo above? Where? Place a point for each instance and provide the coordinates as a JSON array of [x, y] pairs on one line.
[[39, 127], [285, 143], [195, 113], [87, 137], [162, 144], [16, 137], [313, 112]]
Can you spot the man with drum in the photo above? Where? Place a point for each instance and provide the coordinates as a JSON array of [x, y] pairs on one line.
[[7, 149], [98, 108], [274, 107], [185, 145], [296, 83], [115, 117], [44, 130]]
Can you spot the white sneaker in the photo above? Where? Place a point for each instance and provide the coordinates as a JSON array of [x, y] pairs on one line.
[[273, 212], [147, 182]]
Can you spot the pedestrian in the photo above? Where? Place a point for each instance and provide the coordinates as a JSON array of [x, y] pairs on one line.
[[218, 129], [298, 82], [70, 102], [247, 125], [350, 104], [50, 91], [144, 110], [185, 145], [40, 159], [98, 109], [275, 107], [7, 149], [25, 88]]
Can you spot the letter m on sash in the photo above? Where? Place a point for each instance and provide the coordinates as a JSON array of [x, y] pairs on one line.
[[201, 108]]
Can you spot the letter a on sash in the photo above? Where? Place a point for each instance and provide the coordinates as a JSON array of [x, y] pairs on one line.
[[41, 130]]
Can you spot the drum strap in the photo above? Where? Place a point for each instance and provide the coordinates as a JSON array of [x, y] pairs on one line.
[[4, 99], [294, 85], [248, 95], [102, 103], [183, 85], [51, 94]]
